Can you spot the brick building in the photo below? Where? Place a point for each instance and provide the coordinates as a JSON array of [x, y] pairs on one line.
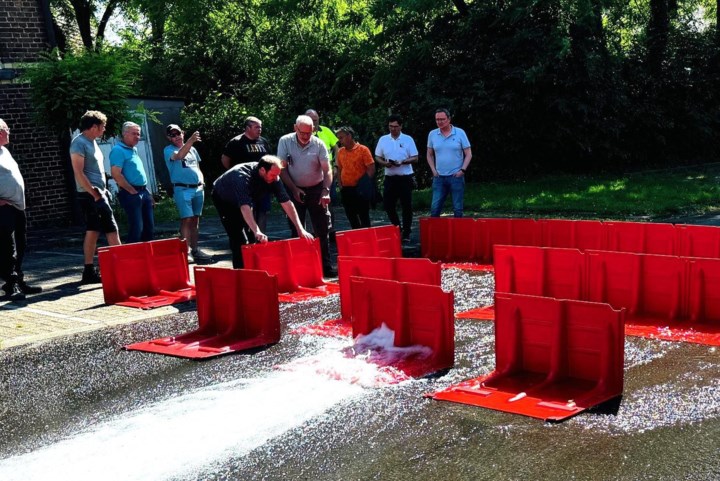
[[25, 32]]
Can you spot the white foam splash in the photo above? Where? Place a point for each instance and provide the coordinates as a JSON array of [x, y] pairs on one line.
[[183, 434]]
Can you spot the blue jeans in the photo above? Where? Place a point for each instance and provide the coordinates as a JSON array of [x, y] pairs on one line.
[[441, 187], [139, 209]]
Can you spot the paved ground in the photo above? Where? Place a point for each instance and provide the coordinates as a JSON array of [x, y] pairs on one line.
[[54, 261], [65, 307]]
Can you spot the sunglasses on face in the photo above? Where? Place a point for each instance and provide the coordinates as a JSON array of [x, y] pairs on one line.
[[175, 134]]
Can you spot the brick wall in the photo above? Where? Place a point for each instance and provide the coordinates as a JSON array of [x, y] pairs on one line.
[[22, 30], [22, 37]]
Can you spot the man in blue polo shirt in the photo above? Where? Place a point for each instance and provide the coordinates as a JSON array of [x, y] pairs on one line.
[[127, 169], [448, 155]]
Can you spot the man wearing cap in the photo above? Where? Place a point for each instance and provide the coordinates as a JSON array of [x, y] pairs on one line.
[[397, 152], [250, 146], [13, 223], [308, 179], [89, 171], [127, 169], [448, 155], [183, 163], [235, 194]]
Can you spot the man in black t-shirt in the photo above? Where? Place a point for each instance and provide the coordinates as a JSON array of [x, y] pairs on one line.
[[249, 146]]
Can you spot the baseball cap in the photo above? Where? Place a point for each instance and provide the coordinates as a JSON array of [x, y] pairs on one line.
[[172, 127]]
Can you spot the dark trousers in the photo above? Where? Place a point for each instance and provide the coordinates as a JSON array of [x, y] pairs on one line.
[[319, 218], [357, 208], [237, 229], [399, 187], [13, 241]]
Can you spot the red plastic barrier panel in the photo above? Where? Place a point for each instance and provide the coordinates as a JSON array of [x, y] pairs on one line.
[[237, 310], [381, 241], [419, 315], [698, 241], [701, 324], [648, 286], [553, 359], [641, 237], [516, 232], [576, 234], [297, 265], [146, 274], [540, 271], [448, 239], [417, 271]]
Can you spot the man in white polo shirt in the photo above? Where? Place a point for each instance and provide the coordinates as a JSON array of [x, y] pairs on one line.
[[397, 152]]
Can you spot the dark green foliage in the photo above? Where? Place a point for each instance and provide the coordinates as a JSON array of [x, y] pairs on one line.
[[62, 89]]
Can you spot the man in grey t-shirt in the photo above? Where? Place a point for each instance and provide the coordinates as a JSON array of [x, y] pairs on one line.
[[87, 164], [308, 179], [13, 223]]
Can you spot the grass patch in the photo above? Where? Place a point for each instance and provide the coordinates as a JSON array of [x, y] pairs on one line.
[[654, 194]]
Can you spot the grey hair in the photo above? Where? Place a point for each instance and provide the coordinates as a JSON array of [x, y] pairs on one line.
[[304, 120], [129, 125]]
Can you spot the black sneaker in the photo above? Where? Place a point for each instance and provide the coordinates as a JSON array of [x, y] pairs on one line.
[[329, 272], [28, 289], [91, 276], [13, 292]]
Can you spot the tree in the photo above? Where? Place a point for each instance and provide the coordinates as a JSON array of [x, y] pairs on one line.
[[83, 14]]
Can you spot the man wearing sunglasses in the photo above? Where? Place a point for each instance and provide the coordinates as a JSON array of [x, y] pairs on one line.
[[183, 163]]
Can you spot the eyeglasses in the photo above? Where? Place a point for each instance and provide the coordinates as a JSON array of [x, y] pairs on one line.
[[304, 133], [5, 129], [175, 134]]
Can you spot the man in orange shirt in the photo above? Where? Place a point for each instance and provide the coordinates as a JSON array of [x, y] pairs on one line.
[[356, 168]]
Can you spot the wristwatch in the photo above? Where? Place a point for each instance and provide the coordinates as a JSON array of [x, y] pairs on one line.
[[463, 170]]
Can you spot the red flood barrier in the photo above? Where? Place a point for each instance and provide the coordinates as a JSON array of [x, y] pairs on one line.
[[698, 241], [297, 265], [577, 234], [381, 241], [553, 359], [641, 237], [419, 315], [146, 274], [448, 239], [237, 310], [418, 271]]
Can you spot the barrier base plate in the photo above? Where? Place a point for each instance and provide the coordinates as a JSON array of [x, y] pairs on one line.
[[486, 313], [331, 328], [468, 266], [165, 298], [306, 293], [196, 345], [679, 331], [524, 394]]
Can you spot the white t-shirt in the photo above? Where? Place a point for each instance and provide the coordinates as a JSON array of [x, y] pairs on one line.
[[396, 149], [12, 186]]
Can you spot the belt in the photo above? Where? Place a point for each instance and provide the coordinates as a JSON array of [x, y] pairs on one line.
[[138, 187], [189, 186]]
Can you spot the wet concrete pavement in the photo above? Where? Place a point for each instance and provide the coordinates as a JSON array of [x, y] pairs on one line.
[[78, 407]]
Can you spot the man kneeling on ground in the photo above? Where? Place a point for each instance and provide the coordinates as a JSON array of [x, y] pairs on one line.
[[239, 190]]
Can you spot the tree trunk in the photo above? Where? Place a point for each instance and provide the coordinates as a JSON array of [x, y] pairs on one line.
[[657, 33], [83, 16], [100, 35]]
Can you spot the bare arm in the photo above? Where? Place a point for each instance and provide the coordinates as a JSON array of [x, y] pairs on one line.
[[121, 180], [292, 214], [226, 161], [291, 187], [370, 170], [247, 214], [382, 161], [410, 160], [185, 149], [466, 161], [78, 164], [431, 160]]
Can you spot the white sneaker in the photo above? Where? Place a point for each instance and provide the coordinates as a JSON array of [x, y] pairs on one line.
[[191, 259]]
